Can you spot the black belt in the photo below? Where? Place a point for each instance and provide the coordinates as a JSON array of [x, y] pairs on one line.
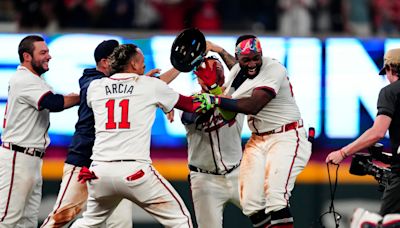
[[196, 169], [26, 150], [121, 160]]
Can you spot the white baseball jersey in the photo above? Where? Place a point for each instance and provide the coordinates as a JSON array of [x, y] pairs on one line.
[[280, 110], [124, 107], [215, 145], [24, 124]]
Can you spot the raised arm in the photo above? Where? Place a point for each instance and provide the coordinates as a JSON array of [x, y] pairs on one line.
[[229, 60]]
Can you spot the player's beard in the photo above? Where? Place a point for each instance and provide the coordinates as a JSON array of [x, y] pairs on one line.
[[37, 66]]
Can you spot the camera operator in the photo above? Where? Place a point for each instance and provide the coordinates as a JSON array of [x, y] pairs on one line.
[[388, 117]]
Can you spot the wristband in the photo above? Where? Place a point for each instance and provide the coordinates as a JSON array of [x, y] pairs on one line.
[[216, 90]]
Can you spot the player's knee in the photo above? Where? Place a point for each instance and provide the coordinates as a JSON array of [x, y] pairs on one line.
[[260, 219], [282, 218]]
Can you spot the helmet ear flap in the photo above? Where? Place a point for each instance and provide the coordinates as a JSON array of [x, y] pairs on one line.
[[188, 50]]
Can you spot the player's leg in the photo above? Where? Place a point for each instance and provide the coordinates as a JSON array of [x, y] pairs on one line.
[[71, 198], [121, 216], [17, 172], [147, 188], [97, 211], [31, 211], [287, 156], [251, 181], [103, 194], [209, 194], [232, 182]]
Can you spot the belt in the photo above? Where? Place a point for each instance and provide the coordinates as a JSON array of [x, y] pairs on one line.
[[196, 169], [26, 150], [121, 160], [283, 128]]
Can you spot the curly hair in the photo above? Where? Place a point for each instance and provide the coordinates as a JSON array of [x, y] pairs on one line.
[[121, 56]]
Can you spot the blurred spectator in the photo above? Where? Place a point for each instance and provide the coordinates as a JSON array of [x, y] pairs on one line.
[[78, 13], [6, 10], [357, 17], [336, 15], [295, 17], [386, 16], [118, 14], [146, 16], [173, 13], [323, 16], [206, 16], [30, 14]]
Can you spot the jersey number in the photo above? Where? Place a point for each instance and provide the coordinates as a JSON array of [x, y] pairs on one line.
[[124, 124]]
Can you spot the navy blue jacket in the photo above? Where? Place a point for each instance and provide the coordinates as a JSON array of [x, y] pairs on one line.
[[80, 149]]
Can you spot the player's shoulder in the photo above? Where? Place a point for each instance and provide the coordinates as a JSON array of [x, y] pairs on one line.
[[24, 77]]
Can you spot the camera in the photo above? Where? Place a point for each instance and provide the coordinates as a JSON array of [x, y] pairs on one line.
[[362, 164]]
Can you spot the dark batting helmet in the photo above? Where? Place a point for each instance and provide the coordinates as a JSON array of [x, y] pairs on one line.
[[188, 50]]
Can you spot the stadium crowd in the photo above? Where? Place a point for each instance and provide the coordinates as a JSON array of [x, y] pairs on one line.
[[284, 17]]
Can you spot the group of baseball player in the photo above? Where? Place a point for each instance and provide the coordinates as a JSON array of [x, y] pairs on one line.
[[108, 165]]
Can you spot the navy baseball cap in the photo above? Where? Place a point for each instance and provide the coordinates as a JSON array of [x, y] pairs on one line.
[[104, 49]]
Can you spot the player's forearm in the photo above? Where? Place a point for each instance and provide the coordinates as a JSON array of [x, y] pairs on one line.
[[170, 75], [186, 104], [229, 60], [243, 105], [71, 100]]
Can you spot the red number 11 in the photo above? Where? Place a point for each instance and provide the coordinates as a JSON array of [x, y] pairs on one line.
[[124, 124]]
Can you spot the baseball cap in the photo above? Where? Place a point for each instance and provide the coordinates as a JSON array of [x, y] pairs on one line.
[[391, 57], [104, 49]]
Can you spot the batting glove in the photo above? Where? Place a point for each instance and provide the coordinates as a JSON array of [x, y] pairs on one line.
[[86, 175], [207, 102], [208, 74]]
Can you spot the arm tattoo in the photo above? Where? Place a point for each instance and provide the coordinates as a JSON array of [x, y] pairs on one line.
[[228, 58]]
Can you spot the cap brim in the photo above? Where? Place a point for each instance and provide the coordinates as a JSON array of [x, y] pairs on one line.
[[382, 71]]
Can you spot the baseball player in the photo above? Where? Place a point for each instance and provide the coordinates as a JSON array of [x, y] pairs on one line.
[[124, 107], [72, 195], [278, 149], [215, 152], [25, 138]]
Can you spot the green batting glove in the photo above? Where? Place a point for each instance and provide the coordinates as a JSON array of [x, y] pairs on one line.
[[207, 102]]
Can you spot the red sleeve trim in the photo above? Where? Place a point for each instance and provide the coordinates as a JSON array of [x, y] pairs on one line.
[[41, 98], [267, 89], [185, 103]]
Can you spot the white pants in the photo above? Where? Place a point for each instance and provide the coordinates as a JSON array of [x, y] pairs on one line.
[[145, 187], [72, 198], [211, 193], [20, 189], [269, 169]]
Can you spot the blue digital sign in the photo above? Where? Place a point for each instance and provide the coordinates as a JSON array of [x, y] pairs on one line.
[[332, 78]]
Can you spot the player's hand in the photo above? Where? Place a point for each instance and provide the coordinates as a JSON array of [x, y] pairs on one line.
[[153, 72], [170, 116], [206, 102], [335, 157], [207, 74], [86, 175]]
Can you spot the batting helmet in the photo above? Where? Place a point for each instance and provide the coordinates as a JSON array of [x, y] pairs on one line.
[[188, 49]]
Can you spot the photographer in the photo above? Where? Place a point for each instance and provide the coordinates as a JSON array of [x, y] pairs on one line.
[[388, 117]]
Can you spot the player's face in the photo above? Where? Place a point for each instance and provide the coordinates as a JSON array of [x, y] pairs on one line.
[[139, 62], [220, 74], [41, 57], [250, 63]]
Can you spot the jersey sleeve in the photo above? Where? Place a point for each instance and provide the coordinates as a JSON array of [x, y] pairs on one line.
[[386, 102], [271, 78], [32, 92], [87, 91], [166, 97]]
